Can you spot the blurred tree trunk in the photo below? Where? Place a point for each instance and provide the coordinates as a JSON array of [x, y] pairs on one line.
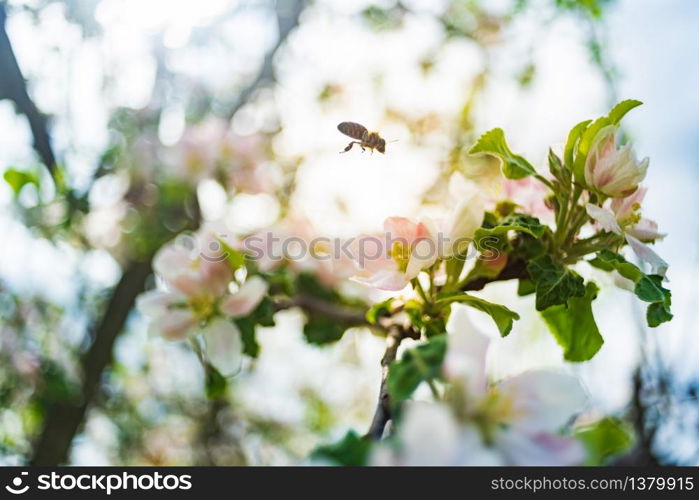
[[63, 419]]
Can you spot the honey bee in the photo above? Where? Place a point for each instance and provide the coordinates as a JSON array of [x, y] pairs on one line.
[[364, 138]]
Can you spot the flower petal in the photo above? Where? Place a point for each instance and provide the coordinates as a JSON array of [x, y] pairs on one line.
[[625, 207], [646, 230], [604, 217], [155, 303], [541, 449], [246, 299], [402, 229], [646, 254], [390, 280], [429, 435], [461, 223], [175, 325], [423, 255], [172, 260], [466, 353], [542, 400], [224, 347]]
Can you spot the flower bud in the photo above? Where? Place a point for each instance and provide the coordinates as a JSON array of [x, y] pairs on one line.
[[611, 171]]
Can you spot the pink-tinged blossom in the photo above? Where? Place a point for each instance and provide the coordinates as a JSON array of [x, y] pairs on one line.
[[209, 148], [246, 299], [530, 194], [627, 213], [623, 217], [321, 256], [611, 171], [390, 261], [194, 298]]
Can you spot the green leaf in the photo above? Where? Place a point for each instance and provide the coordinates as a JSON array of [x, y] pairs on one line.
[[216, 384], [379, 310], [554, 283], [525, 287], [609, 261], [647, 287], [515, 222], [572, 142], [493, 143], [590, 133], [321, 330], [659, 312], [453, 268], [584, 146], [247, 335], [234, 258], [502, 316], [574, 326], [503, 208], [308, 283], [351, 451], [281, 280], [485, 268], [428, 325], [604, 439], [620, 110], [559, 172], [593, 8], [529, 248], [17, 179], [263, 314], [417, 365]]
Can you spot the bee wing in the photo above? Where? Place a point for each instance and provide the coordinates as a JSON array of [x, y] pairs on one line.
[[352, 129]]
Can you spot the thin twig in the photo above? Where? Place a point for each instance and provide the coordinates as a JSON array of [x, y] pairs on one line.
[[288, 13]]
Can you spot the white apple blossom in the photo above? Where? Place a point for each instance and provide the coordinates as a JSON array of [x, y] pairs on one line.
[[391, 260], [194, 298], [622, 216], [514, 421]]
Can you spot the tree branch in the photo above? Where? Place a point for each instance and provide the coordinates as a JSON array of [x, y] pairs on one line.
[[643, 453], [515, 269], [288, 13], [382, 414], [63, 418], [14, 87], [347, 315]]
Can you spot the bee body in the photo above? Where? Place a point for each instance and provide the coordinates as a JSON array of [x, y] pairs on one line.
[[362, 136]]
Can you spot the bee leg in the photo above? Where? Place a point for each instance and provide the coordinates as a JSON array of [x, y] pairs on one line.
[[349, 146]]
